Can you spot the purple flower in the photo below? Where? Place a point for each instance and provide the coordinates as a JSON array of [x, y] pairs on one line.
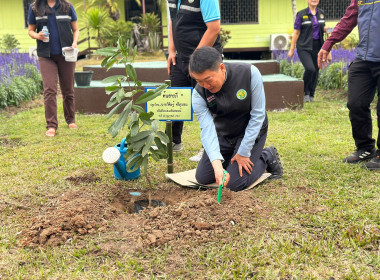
[[13, 64]]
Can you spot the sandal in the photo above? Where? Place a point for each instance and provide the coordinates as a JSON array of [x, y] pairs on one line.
[[50, 132], [73, 126]]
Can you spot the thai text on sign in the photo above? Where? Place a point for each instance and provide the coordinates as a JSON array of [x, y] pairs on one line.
[[174, 104]]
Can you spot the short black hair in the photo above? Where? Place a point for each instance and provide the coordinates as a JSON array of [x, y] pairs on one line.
[[205, 58]]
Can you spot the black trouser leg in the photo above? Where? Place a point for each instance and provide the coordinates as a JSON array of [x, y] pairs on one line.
[[309, 60], [179, 76], [316, 48], [259, 157], [363, 78]]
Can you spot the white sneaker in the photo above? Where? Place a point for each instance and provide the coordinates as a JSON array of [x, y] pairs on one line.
[[197, 157]]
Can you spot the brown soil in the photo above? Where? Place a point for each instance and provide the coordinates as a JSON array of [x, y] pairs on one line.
[[188, 215]]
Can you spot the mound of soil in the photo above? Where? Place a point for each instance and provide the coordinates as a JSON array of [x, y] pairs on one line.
[[188, 215]]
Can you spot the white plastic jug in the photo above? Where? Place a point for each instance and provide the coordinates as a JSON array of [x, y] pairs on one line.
[[70, 54]]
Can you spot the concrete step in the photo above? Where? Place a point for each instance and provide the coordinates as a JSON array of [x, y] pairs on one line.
[[156, 71], [281, 92]]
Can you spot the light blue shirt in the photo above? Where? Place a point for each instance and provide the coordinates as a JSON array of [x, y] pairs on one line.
[[209, 8], [209, 136]]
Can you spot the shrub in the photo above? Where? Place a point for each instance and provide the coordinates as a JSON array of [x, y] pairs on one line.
[[333, 77], [9, 42], [113, 30], [20, 79], [224, 36]]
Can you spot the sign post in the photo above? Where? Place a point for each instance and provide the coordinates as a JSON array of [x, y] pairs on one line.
[[174, 104]]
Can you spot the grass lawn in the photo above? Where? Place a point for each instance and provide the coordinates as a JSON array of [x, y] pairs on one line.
[[320, 221]]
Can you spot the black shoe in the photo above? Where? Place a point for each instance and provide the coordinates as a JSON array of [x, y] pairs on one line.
[[374, 163], [360, 156], [274, 166]]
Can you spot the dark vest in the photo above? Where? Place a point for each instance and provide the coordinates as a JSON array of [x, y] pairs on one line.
[[231, 106], [305, 41], [369, 30], [64, 29], [188, 27]]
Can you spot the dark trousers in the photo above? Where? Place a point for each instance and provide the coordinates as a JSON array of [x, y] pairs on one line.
[[259, 157], [179, 76], [363, 79], [309, 60], [51, 69]]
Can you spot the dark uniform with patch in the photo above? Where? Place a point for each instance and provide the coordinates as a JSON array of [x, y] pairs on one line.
[[231, 108], [308, 48]]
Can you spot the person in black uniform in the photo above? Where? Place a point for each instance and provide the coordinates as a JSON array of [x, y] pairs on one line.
[[193, 24], [229, 102], [309, 27]]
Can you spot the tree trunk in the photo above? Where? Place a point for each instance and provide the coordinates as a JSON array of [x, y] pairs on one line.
[[294, 9]]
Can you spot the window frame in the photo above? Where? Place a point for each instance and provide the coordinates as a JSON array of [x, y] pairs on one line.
[[242, 22]]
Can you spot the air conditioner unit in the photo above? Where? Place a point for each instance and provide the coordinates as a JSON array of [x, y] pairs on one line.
[[32, 51], [279, 42]]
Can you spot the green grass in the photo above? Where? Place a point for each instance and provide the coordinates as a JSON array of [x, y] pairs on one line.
[[322, 219]]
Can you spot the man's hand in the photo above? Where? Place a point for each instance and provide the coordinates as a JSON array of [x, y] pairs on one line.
[[243, 162], [219, 170], [324, 57], [171, 60]]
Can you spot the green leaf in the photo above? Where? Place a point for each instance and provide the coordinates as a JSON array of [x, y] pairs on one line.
[[111, 88], [117, 108], [138, 109], [136, 146], [113, 79], [140, 135], [129, 155], [163, 137], [134, 129], [151, 94], [159, 144], [148, 144], [120, 94], [134, 164], [105, 61], [111, 102], [118, 124], [145, 116], [131, 72], [107, 51], [155, 125]]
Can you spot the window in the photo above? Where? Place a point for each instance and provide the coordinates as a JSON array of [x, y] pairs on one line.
[[239, 11], [26, 9], [334, 10]]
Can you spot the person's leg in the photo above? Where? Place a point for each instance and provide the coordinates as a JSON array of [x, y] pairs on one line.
[[49, 73], [66, 82], [361, 92], [178, 79], [259, 157], [374, 164], [314, 56], [205, 172], [307, 62]]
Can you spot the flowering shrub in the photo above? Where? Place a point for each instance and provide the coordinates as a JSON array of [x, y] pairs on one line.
[[20, 79], [332, 77]]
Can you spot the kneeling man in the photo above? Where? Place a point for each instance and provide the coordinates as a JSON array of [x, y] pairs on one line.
[[229, 102]]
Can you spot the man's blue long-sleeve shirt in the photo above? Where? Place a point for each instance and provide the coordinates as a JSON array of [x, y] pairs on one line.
[[209, 136]]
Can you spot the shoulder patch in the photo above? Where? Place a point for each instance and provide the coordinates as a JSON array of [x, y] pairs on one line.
[[305, 17]]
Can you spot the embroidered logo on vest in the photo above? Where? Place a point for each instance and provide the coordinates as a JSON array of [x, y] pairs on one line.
[[241, 94], [191, 1], [322, 16]]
